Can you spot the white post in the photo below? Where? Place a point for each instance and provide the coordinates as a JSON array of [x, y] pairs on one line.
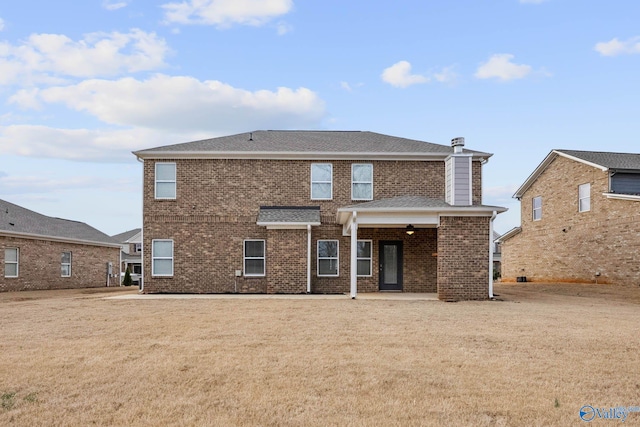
[[308, 258], [354, 256]]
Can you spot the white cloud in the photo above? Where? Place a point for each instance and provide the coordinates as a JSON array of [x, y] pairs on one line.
[[615, 47], [113, 5], [500, 66], [283, 28], [177, 103], [399, 75], [446, 75], [43, 56], [224, 13], [1, 24]]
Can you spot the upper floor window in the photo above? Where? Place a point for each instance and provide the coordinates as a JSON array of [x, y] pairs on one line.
[[362, 182], [584, 197], [165, 181], [11, 262], [137, 247], [537, 208], [328, 258], [65, 265], [254, 258], [162, 257], [321, 181]]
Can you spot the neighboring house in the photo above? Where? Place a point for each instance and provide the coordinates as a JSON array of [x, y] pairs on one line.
[[316, 212], [131, 253], [41, 252], [497, 255], [580, 220]]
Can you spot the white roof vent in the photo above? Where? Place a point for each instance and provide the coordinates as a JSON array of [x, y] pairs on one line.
[[457, 144]]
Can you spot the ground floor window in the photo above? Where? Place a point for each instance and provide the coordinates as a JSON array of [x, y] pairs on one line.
[[137, 268], [254, 259], [328, 258], [364, 258], [65, 265], [11, 262], [162, 257]]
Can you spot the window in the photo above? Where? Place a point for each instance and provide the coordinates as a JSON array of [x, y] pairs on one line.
[[137, 269], [362, 182], [254, 259], [11, 262], [165, 180], [537, 208], [137, 247], [327, 257], [584, 197], [321, 181], [162, 258], [65, 265], [364, 258]]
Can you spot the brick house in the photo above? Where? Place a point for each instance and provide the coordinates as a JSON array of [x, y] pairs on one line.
[[316, 212], [41, 252], [130, 253], [580, 221]]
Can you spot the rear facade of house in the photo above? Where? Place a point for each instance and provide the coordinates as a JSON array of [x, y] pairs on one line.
[[315, 212], [42, 252], [580, 222]]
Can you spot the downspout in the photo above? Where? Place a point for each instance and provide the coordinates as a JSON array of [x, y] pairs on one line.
[[142, 232], [354, 255], [491, 254], [308, 258]]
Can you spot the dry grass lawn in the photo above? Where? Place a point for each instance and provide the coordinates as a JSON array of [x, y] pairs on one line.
[[535, 358]]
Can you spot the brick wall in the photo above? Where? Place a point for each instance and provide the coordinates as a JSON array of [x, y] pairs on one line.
[[463, 258], [39, 265], [216, 209], [571, 246]]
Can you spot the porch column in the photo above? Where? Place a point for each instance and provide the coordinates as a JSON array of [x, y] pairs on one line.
[[354, 256], [308, 258]]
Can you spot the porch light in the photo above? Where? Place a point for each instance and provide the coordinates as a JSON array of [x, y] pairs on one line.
[[410, 229]]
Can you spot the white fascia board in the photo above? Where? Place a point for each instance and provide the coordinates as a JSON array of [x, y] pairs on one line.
[[577, 159], [58, 239], [321, 155], [136, 238], [287, 225], [509, 234], [621, 196], [418, 215]]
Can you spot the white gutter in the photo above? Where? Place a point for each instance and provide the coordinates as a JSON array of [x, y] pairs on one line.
[[621, 196], [491, 253], [309, 258], [57, 239]]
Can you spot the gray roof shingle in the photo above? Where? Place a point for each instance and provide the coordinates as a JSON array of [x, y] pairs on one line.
[[299, 141], [616, 161], [123, 237], [16, 219], [412, 202], [289, 214]]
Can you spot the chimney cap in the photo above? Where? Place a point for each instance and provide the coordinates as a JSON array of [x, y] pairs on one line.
[[457, 142]]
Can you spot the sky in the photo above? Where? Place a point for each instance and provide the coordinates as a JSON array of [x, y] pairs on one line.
[[85, 83]]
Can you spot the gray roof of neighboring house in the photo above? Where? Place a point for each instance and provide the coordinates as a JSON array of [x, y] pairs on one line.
[[123, 237], [600, 159], [413, 202], [289, 214], [16, 219], [617, 161], [306, 142]]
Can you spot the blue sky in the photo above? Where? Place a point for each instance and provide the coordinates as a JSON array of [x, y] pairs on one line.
[[85, 83]]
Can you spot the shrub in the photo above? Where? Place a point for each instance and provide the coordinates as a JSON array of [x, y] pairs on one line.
[[127, 278]]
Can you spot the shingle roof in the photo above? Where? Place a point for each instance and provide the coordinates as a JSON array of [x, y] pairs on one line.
[[123, 237], [289, 214], [411, 202], [16, 219], [617, 161], [306, 142]]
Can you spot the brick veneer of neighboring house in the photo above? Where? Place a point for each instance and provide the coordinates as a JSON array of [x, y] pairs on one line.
[[223, 186], [39, 242], [599, 245]]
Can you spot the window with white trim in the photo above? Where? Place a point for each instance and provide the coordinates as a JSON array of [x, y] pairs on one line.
[[362, 181], [11, 262], [165, 179], [254, 258], [162, 257], [364, 258], [321, 181], [328, 258], [65, 265], [137, 247], [584, 197], [537, 208]]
